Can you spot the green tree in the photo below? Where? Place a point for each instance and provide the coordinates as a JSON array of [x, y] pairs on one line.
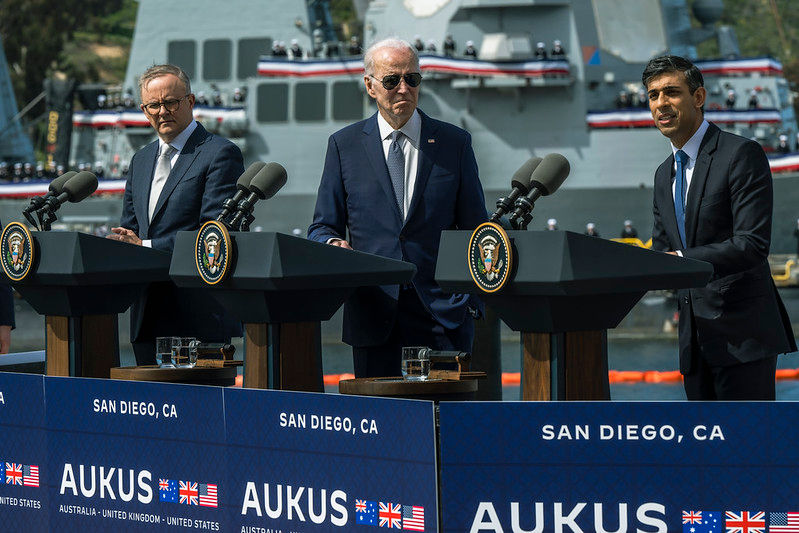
[[35, 33]]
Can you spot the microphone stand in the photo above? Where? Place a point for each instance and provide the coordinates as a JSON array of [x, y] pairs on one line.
[[245, 224]]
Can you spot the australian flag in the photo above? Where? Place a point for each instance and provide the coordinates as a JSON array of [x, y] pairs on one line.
[[365, 512], [2, 473], [702, 522], [168, 490]]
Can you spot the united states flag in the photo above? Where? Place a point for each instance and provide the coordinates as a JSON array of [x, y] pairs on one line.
[[208, 495], [745, 522], [783, 522], [389, 515], [187, 490], [30, 475], [13, 474], [413, 517]]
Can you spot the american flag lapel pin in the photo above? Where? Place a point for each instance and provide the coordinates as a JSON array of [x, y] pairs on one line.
[[431, 141]]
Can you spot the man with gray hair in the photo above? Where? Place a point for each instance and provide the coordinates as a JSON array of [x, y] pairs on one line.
[[393, 182], [176, 183]]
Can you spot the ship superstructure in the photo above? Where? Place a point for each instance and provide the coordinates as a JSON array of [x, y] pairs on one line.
[[514, 105]]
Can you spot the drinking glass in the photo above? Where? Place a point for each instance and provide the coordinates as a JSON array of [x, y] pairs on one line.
[[163, 352], [182, 352], [415, 363]]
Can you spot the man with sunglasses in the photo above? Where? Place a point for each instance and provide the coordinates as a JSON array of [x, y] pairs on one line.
[[175, 183], [394, 182]]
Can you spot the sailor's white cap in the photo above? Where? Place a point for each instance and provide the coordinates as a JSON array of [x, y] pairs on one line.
[[552, 222]]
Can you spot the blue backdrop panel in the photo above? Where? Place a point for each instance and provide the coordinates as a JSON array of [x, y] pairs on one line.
[[618, 466], [314, 462], [23, 454], [130, 456]]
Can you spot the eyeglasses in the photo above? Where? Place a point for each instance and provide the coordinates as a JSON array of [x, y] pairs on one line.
[[392, 80], [170, 105]]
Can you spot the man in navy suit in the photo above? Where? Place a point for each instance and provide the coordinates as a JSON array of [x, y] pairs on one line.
[[175, 183], [713, 202], [395, 181]]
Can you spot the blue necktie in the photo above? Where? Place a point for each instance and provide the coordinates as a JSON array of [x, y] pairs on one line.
[[396, 169], [680, 187]]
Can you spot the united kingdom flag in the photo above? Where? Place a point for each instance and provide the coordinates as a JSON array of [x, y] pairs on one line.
[[389, 515], [745, 522], [13, 474], [692, 517], [188, 493]]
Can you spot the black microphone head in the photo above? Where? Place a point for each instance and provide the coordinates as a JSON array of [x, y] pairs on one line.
[[57, 185], [80, 186], [521, 178], [243, 183], [550, 174], [268, 181]]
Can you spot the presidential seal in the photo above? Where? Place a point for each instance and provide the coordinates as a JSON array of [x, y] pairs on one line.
[[16, 247], [213, 252], [490, 257]]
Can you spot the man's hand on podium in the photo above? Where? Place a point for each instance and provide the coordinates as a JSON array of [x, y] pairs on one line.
[[341, 243], [124, 235], [5, 339]]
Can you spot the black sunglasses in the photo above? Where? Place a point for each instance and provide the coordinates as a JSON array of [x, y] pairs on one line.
[[392, 80]]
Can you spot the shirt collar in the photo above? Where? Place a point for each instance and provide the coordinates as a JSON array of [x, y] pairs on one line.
[[180, 141], [411, 129], [692, 146]]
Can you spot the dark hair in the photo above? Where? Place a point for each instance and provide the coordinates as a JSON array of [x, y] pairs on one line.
[[663, 64]]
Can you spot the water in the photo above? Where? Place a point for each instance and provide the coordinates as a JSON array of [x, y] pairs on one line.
[[415, 369], [626, 351]]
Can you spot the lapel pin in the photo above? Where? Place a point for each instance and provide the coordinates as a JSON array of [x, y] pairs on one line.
[[431, 141]]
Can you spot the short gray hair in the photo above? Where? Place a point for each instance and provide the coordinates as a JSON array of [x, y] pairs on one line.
[[391, 42], [156, 71]]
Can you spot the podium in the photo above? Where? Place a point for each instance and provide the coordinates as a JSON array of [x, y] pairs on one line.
[[281, 287], [565, 291], [81, 283]]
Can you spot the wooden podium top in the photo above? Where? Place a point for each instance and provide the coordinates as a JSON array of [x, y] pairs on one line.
[[222, 376], [396, 387]]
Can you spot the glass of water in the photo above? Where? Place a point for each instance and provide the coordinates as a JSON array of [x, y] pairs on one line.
[[182, 350], [163, 352], [415, 363]]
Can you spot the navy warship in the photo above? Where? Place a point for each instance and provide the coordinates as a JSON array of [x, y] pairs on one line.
[[583, 103]]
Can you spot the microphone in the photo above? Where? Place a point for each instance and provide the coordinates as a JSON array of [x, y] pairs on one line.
[[546, 179], [521, 185], [263, 186], [53, 190], [75, 189], [242, 188]]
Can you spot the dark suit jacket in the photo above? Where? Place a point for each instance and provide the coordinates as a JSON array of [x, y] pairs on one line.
[[204, 175], [738, 316], [356, 194]]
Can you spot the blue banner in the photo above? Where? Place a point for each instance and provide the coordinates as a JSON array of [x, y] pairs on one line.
[[135, 456], [23, 453], [614, 467], [315, 462]]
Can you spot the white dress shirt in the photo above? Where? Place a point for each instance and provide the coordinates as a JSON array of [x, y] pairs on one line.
[[411, 133], [691, 149], [177, 143]]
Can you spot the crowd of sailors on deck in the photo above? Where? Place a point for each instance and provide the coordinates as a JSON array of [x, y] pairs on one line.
[[214, 98], [448, 49], [30, 172], [627, 231]]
